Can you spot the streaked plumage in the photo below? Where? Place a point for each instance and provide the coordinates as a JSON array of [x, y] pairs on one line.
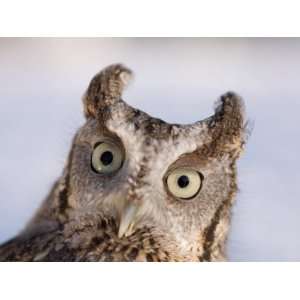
[[131, 211]]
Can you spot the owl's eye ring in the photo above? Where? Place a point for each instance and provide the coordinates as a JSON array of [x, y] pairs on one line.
[[107, 157], [184, 183]]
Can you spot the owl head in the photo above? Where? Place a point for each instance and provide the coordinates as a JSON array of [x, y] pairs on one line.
[[178, 181]]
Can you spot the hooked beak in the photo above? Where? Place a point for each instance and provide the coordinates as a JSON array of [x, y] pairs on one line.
[[128, 220]]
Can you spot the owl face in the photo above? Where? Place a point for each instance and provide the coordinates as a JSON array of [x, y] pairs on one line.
[[143, 172]]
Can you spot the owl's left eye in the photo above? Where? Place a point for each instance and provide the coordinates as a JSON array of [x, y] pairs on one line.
[[184, 183], [107, 158]]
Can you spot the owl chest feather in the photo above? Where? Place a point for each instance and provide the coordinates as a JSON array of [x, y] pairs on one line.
[[76, 242]]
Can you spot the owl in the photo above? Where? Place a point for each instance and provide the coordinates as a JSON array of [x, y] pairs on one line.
[[135, 188]]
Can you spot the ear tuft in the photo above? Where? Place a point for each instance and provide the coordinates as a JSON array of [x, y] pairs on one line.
[[105, 89], [228, 123], [230, 106]]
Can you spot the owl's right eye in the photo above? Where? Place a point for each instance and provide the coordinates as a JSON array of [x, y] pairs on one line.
[[107, 158]]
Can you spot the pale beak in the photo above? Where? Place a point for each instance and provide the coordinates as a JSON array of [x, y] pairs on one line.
[[127, 220]]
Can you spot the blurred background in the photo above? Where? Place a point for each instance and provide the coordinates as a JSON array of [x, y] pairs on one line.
[[177, 79]]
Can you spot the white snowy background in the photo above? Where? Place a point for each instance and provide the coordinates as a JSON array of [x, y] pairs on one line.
[[178, 80]]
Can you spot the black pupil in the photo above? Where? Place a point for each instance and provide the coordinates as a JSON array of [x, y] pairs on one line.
[[183, 181], [106, 158]]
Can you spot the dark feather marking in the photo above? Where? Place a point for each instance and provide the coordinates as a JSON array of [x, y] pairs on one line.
[[65, 254], [64, 194], [133, 253], [149, 257], [125, 248], [209, 232], [152, 242], [63, 198], [96, 241]]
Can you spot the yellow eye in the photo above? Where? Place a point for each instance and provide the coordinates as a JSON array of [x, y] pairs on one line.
[[107, 158], [184, 183]]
